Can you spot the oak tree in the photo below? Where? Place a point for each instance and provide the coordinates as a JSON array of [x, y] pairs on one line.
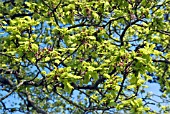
[[84, 56]]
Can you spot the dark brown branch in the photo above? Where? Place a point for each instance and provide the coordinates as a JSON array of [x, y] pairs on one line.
[[62, 62], [83, 24], [20, 15], [110, 21], [162, 61], [163, 32], [10, 1], [16, 87], [31, 102], [71, 102], [6, 81], [124, 31], [90, 87], [78, 25], [124, 78], [95, 85], [54, 10], [88, 96], [3, 54]]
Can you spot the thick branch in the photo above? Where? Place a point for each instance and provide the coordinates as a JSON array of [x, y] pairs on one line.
[[38, 109]]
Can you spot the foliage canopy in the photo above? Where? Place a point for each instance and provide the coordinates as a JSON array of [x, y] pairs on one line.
[[81, 56]]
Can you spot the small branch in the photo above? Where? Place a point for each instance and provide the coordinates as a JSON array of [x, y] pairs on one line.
[[110, 21], [124, 78], [9, 1], [124, 31], [6, 55], [3, 104], [71, 102], [163, 32], [78, 25], [16, 87], [38, 109], [163, 61], [95, 85], [88, 96], [6, 81], [91, 87], [68, 56], [20, 15], [83, 24], [54, 10]]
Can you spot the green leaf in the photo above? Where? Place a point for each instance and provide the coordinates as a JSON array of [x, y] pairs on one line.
[[57, 61], [54, 44], [43, 72], [106, 76], [95, 15], [34, 47], [33, 60], [90, 68], [133, 80], [71, 76], [87, 77], [28, 4], [112, 103], [68, 87], [131, 86], [47, 58], [140, 82], [140, 59], [94, 75], [91, 37]]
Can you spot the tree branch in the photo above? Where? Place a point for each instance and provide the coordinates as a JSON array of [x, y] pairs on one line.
[[163, 61], [124, 78], [6, 81], [71, 102], [124, 31], [16, 87], [38, 109], [20, 15]]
